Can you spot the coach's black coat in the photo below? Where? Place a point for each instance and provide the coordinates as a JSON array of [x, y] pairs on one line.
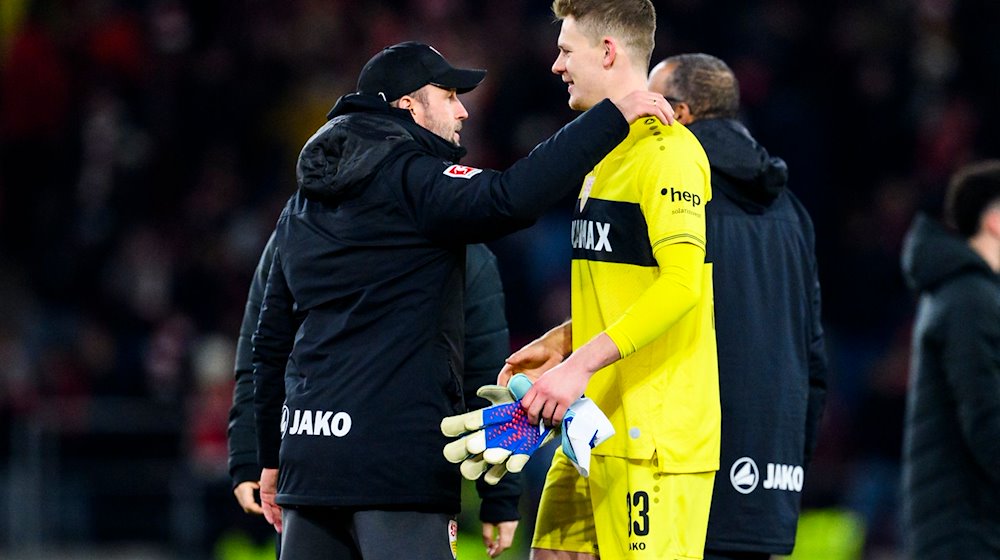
[[364, 299], [951, 445], [487, 343], [772, 360]]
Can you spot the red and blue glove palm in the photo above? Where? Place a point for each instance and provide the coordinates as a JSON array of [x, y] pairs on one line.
[[499, 437]]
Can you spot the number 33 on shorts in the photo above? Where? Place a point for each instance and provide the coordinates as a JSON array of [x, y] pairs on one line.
[[638, 513], [655, 514]]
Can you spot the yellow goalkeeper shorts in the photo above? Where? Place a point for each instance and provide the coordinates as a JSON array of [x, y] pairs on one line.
[[626, 509]]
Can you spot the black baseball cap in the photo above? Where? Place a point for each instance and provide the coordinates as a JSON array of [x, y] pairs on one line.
[[406, 67]]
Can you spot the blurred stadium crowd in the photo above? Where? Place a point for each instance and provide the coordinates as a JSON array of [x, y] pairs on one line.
[[147, 146]]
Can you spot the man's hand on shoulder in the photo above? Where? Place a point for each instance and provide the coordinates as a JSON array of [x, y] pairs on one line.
[[642, 103]]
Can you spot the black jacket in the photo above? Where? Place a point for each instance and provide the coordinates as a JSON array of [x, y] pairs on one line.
[[951, 449], [487, 344], [772, 360], [364, 299], [242, 434]]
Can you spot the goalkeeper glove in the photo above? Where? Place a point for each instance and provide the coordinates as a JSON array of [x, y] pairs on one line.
[[501, 439]]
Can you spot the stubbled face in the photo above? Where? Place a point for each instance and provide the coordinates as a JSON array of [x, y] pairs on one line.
[[440, 111], [580, 64]]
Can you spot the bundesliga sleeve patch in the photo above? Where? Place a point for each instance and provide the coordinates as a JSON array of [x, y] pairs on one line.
[[462, 171]]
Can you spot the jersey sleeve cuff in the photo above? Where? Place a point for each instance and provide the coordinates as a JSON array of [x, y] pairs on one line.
[[617, 334]]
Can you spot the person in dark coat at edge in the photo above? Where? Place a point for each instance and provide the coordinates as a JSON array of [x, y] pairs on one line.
[[358, 350], [772, 356], [951, 438], [487, 343]]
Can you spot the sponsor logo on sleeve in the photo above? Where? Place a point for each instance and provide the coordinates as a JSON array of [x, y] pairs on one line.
[[462, 171], [686, 202]]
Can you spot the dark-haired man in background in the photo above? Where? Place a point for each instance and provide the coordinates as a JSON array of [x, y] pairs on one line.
[[951, 443]]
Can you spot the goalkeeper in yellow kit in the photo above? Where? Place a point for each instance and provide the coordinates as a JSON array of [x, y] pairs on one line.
[[641, 343]]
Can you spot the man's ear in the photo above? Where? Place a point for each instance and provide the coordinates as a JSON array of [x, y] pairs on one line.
[[991, 221], [405, 102], [610, 52], [682, 112]]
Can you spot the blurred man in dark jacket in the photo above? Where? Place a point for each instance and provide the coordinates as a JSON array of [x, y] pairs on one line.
[[772, 359], [487, 343], [951, 449]]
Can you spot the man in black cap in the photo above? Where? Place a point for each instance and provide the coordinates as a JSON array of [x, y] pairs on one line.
[[358, 349]]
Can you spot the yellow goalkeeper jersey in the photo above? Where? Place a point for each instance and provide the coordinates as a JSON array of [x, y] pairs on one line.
[[647, 194]]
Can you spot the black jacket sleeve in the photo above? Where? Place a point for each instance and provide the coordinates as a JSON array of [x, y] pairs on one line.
[[817, 347], [487, 344], [971, 361], [272, 344], [242, 432], [486, 204]]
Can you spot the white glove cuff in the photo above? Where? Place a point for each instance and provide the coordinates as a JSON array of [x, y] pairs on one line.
[[589, 428]]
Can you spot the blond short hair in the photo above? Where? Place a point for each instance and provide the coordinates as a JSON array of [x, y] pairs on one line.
[[631, 21]]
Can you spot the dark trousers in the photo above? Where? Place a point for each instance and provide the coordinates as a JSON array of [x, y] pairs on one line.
[[323, 533]]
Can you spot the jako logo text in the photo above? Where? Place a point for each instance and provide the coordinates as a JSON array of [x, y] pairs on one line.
[[316, 423]]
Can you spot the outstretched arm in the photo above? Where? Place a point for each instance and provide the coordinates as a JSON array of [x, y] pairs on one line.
[[486, 204]]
